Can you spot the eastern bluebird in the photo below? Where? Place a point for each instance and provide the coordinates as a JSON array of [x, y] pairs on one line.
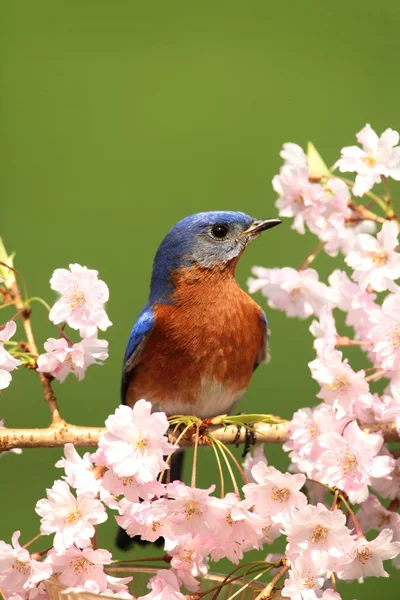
[[197, 341]]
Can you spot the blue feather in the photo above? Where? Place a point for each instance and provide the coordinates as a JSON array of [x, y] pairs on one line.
[[140, 331]]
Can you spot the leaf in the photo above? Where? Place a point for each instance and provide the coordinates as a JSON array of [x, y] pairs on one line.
[[318, 168], [7, 274]]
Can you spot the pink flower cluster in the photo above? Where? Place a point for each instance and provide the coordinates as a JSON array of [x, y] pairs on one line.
[[81, 306]]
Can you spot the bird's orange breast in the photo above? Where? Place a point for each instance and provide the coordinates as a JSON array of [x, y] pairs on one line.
[[202, 348]]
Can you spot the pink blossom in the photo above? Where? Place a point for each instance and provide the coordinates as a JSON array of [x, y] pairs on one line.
[[380, 156], [143, 519], [71, 519], [330, 224], [373, 515], [351, 298], [164, 586], [388, 485], [130, 487], [298, 197], [298, 293], [7, 362], [62, 359], [385, 332], [238, 530], [366, 558], [188, 509], [305, 429], [375, 260], [324, 331], [275, 493], [304, 581], [340, 385], [81, 568], [253, 458], [319, 535], [135, 442], [79, 471], [188, 560], [18, 571], [82, 300], [349, 461]]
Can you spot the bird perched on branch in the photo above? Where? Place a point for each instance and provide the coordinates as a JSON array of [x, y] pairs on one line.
[[196, 343]]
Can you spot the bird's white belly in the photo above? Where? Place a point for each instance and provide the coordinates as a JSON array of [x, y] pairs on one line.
[[212, 399]]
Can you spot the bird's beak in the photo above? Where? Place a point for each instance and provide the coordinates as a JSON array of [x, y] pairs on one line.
[[259, 226]]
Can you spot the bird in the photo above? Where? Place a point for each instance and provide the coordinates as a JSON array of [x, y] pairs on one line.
[[195, 345]]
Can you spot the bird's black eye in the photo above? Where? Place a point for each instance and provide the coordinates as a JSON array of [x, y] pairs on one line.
[[219, 231]]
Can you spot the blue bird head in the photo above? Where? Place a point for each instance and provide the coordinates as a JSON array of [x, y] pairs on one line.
[[207, 239]]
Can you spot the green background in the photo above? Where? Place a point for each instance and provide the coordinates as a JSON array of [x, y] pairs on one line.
[[118, 118]]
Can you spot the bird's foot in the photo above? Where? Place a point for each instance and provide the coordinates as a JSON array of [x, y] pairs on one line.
[[249, 440]]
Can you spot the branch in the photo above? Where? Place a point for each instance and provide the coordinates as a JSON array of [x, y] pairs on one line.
[[62, 433]]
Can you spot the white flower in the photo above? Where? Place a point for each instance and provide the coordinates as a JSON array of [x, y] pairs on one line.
[[366, 559], [375, 260], [7, 362], [380, 156], [62, 359], [71, 519], [82, 300]]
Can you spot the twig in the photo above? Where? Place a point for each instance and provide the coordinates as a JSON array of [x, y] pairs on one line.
[[63, 433], [311, 257], [266, 593], [44, 377], [195, 453], [2, 596], [39, 535]]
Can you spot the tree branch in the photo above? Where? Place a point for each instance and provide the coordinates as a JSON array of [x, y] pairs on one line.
[[62, 433]]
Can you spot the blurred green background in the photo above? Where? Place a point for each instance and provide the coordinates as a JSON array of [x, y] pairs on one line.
[[119, 118]]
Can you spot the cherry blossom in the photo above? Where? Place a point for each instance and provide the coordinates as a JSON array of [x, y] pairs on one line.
[[373, 515], [298, 293], [82, 300], [135, 442], [274, 494], [143, 519], [62, 359], [7, 362], [79, 471], [324, 331], [385, 332], [130, 488], [388, 485], [319, 535], [304, 581], [340, 385], [305, 429], [18, 571], [188, 560], [349, 461], [164, 586], [375, 260], [366, 558], [379, 156], [253, 458], [71, 519], [81, 568]]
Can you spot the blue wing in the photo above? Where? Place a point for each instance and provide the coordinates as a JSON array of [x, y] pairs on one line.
[[263, 355], [137, 339]]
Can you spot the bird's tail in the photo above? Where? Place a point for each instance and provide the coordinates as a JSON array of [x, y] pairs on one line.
[[124, 541]]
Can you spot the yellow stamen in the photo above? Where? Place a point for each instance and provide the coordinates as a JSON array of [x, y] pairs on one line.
[[281, 495]]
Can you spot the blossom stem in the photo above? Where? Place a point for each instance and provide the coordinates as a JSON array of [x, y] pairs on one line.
[[389, 210], [353, 516], [255, 565], [311, 257], [376, 375], [37, 299], [221, 474], [335, 500], [266, 593], [377, 199], [18, 274], [6, 305], [2, 596], [195, 455], [163, 558], [222, 448], [32, 540], [343, 340], [236, 462]]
